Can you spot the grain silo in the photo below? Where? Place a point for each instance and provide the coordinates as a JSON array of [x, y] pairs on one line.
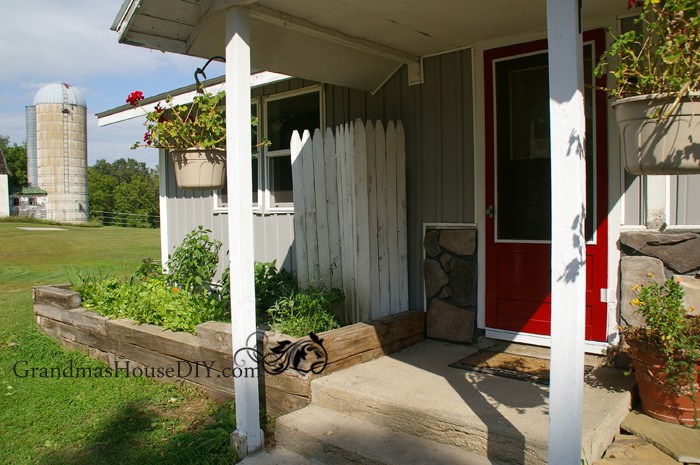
[[60, 160]]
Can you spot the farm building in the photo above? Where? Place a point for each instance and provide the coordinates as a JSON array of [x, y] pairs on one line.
[[57, 152], [4, 187], [30, 202], [425, 178]]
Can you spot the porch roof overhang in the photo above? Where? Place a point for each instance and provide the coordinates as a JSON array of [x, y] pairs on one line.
[[351, 43], [180, 96]]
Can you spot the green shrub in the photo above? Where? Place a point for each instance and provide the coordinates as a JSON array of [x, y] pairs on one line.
[[193, 264], [150, 299], [185, 296], [271, 285], [303, 312]]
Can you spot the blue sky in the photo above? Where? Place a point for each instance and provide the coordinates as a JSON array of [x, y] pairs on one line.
[[44, 41]]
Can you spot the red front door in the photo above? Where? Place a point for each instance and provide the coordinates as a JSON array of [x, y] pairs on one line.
[[518, 197]]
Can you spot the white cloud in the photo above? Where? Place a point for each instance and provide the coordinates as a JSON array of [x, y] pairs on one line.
[[44, 41]]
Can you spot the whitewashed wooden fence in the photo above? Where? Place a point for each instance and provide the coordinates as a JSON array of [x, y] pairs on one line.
[[350, 215]]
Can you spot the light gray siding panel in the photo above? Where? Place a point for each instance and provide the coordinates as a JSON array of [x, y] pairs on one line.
[[687, 193], [438, 117], [274, 234]]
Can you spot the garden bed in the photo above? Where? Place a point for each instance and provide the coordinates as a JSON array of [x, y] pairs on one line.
[[178, 356]]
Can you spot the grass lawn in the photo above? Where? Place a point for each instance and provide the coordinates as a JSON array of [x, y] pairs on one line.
[[89, 421]]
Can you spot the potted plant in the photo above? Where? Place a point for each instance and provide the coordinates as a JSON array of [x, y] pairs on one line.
[[195, 136], [666, 353], [657, 86]]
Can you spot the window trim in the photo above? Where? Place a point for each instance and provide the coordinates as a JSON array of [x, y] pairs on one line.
[[285, 207], [264, 205], [218, 207]]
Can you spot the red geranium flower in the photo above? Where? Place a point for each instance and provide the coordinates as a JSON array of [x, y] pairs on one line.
[[632, 3], [134, 98]]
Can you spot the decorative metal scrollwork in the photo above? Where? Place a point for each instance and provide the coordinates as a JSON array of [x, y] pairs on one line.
[[304, 355]]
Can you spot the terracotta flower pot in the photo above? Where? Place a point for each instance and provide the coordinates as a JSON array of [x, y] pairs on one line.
[[199, 169], [654, 146], [658, 398]]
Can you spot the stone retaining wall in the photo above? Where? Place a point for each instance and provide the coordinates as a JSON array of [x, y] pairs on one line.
[[203, 360], [655, 256]]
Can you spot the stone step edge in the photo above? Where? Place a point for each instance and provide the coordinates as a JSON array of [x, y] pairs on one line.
[[441, 428], [333, 437]]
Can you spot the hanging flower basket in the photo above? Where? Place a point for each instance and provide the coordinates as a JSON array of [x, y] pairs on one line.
[[199, 169], [659, 136]]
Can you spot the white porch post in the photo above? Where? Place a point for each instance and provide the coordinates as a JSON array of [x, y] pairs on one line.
[[248, 437], [568, 162], [163, 204]]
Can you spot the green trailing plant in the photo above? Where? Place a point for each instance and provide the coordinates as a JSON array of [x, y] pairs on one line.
[[661, 56], [193, 264], [670, 330], [150, 299], [201, 124], [271, 285], [303, 312]]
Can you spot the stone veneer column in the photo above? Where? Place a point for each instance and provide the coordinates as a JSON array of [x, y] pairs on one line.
[[450, 275]]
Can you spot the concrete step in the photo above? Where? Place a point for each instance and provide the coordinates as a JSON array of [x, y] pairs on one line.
[[277, 456], [331, 437], [415, 392]]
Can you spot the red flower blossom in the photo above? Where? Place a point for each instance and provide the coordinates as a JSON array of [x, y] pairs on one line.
[[134, 98], [147, 137], [632, 3], [159, 111]]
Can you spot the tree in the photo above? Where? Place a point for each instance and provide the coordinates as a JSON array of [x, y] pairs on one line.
[[16, 158], [123, 188]]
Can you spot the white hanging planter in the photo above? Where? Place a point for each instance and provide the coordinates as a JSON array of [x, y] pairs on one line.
[[199, 169], [654, 146]]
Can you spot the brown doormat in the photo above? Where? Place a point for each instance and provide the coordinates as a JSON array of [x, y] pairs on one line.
[[522, 367]]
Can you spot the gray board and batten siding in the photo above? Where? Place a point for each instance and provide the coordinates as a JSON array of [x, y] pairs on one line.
[[439, 124], [438, 117]]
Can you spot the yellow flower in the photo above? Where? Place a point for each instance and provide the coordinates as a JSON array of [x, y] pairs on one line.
[[691, 309], [650, 275], [635, 287], [636, 302]]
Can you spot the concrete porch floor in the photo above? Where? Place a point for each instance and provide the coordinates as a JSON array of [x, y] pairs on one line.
[[450, 415]]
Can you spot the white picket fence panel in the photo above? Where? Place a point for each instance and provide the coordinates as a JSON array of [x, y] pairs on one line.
[[350, 215]]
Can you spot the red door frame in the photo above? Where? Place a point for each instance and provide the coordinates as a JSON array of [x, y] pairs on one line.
[[596, 255]]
